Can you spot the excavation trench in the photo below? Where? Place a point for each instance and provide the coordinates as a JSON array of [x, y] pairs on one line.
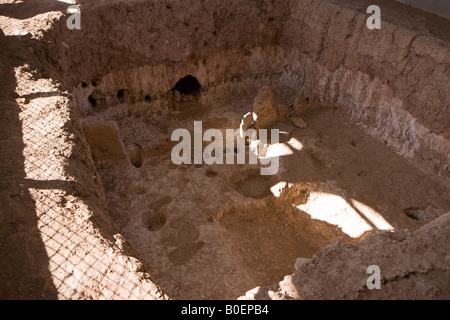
[[217, 231], [369, 154]]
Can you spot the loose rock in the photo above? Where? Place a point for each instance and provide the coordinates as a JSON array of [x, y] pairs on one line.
[[299, 122]]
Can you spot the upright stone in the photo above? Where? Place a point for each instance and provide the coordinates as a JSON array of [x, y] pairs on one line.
[[264, 108]]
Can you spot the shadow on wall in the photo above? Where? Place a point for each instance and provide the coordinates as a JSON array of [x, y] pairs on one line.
[[23, 258], [440, 7]]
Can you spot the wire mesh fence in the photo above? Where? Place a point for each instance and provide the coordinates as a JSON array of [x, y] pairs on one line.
[[57, 241]]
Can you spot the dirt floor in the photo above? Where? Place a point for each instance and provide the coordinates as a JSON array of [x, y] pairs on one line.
[[213, 232]]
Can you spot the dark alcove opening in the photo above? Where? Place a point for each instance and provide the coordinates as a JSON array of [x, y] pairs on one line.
[[188, 85]]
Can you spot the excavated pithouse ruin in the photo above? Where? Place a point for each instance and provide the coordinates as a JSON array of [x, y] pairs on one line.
[[363, 151]]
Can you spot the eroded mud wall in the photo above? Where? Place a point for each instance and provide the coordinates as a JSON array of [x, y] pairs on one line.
[[390, 81]]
